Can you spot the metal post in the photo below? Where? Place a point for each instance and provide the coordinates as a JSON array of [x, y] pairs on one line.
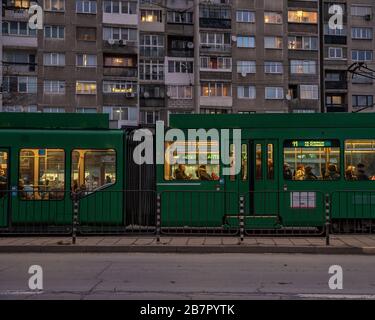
[[75, 217], [158, 217], [327, 224], [196, 85], [242, 219]]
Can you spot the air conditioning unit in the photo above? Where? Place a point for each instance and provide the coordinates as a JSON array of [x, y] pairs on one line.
[[122, 42], [368, 17]]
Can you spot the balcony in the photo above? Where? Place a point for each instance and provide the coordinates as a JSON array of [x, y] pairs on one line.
[[213, 23], [216, 48], [152, 102], [120, 47], [340, 85], [330, 39], [337, 107], [121, 72], [117, 18]]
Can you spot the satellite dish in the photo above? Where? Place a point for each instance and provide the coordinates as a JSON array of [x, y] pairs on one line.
[[190, 45], [111, 41], [243, 74], [146, 95], [288, 97], [234, 38]]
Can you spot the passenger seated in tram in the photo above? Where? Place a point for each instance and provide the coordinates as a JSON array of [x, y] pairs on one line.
[[350, 173], [332, 173], [299, 174], [180, 173], [288, 175], [361, 172], [309, 175], [202, 173], [3, 183]]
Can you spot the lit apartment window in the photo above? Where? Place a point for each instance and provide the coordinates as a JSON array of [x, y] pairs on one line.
[[86, 34], [335, 53], [119, 61], [115, 33], [361, 11], [54, 87], [246, 92], [54, 5], [303, 66], [85, 87], [309, 92], [362, 55], [359, 101], [27, 84], [151, 70], [245, 42], [273, 18], [86, 60], [53, 110], [19, 4], [180, 92], [17, 28], [120, 87], [151, 45], [302, 16], [245, 16], [54, 32], [179, 17], [362, 33], [86, 110], [274, 93], [151, 15], [273, 42], [120, 7], [86, 6], [334, 100], [216, 63], [118, 113], [273, 67], [246, 66], [216, 89], [302, 43], [178, 66]]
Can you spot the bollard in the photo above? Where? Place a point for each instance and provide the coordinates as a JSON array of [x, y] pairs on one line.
[[242, 219], [327, 223], [75, 217], [158, 218]]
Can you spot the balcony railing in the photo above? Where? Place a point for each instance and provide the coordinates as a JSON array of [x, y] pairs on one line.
[[216, 47], [215, 23], [337, 107], [121, 72], [342, 85]]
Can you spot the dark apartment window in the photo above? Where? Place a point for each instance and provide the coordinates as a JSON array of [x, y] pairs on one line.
[[86, 34], [359, 101]]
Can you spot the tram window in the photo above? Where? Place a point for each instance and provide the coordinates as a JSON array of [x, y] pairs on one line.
[[93, 169], [360, 160], [203, 156], [258, 160], [244, 164], [42, 174], [312, 160], [3, 173], [270, 162]]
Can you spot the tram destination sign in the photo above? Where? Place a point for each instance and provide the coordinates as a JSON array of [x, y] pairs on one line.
[[311, 143]]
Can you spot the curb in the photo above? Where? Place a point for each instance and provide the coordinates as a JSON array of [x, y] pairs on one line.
[[188, 249]]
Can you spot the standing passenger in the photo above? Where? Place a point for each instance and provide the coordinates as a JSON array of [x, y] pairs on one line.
[[361, 172]]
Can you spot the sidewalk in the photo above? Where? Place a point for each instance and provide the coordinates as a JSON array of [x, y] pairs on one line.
[[343, 244]]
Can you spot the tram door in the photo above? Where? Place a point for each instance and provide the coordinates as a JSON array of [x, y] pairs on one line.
[[264, 197], [4, 187]]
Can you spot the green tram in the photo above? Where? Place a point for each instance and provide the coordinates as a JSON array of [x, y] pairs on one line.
[[292, 168]]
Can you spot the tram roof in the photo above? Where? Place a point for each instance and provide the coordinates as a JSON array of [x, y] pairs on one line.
[[281, 120], [73, 121]]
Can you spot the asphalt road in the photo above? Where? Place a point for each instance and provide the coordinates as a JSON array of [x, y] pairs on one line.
[[186, 276]]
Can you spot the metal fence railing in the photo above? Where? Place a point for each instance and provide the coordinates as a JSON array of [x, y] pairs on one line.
[[187, 212], [353, 212]]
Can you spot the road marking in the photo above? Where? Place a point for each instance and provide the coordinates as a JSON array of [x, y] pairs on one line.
[[337, 296], [18, 292]]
